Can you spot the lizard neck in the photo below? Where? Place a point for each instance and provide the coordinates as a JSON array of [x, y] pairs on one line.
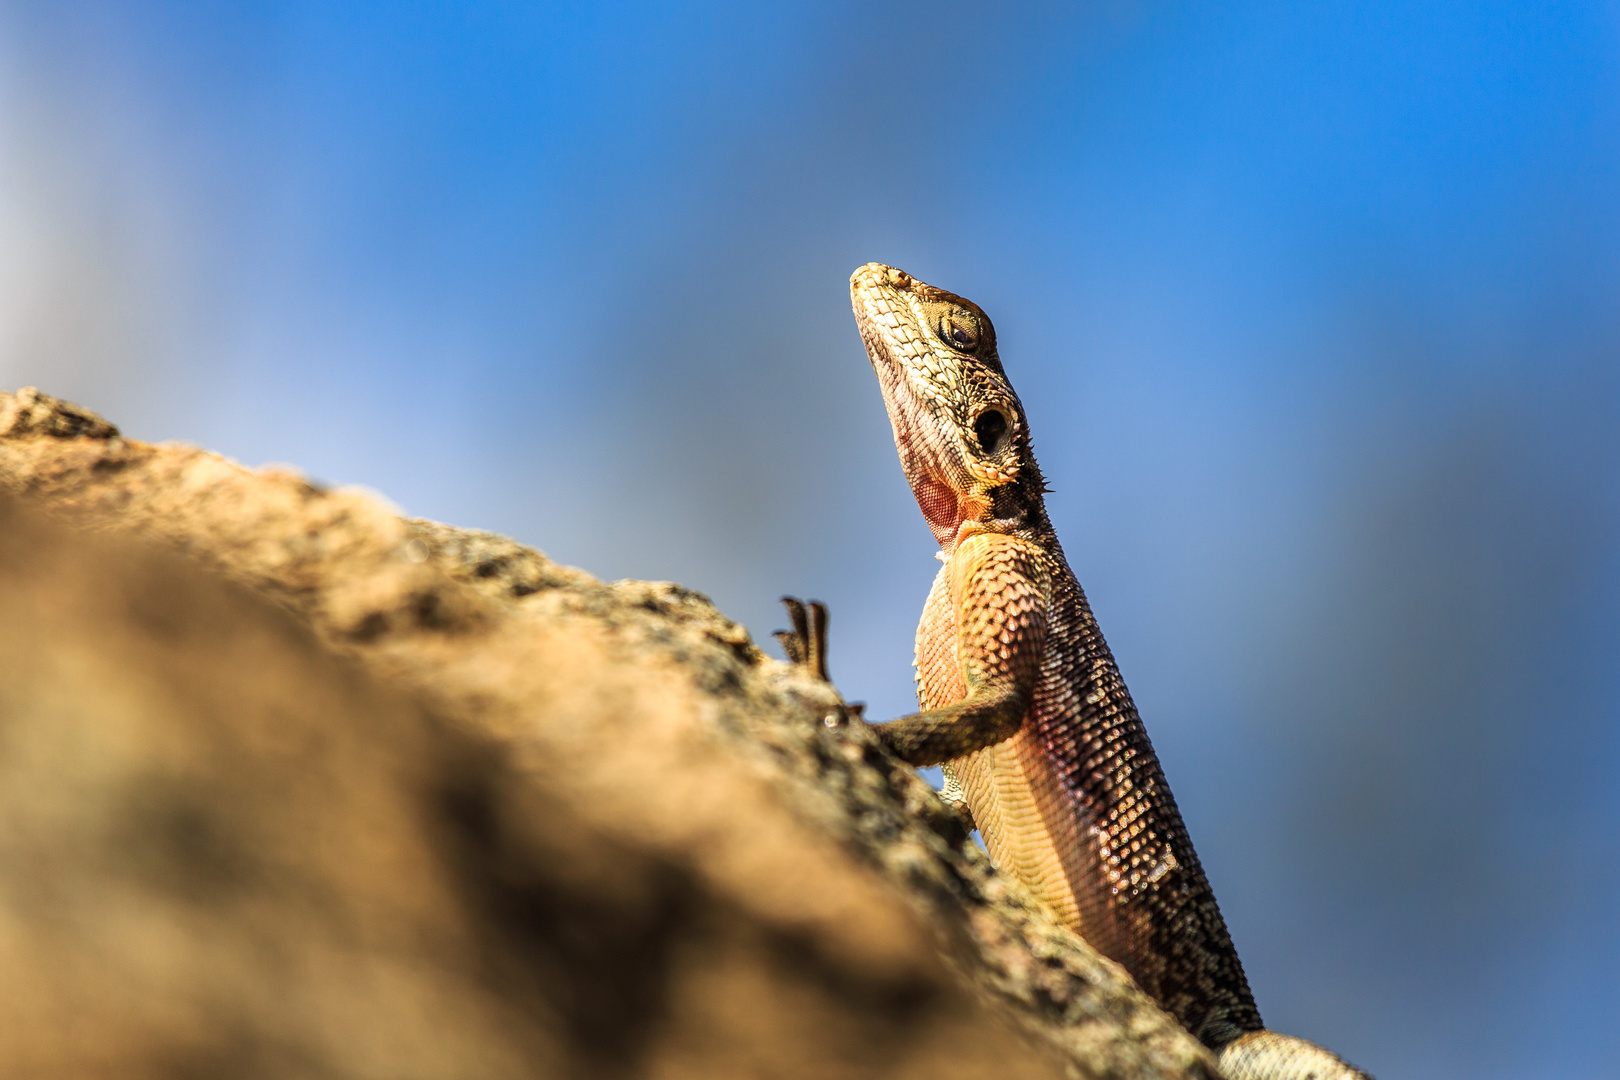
[[1006, 510]]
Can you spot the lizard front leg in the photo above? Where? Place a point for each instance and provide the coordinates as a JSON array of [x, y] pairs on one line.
[[999, 592], [806, 648]]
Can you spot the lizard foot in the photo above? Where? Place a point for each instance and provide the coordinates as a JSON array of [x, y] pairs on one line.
[[806, 643], [806, 648]]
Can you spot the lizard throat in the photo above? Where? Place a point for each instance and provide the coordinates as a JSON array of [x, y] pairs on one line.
[[941, 507], [940, 482]]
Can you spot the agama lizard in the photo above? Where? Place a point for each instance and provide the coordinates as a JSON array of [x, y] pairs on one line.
[[1022, 702]]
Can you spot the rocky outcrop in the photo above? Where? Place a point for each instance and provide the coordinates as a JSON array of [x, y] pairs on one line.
[[292, 786]]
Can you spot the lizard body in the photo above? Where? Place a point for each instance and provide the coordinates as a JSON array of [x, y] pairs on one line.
[[1022, 702]]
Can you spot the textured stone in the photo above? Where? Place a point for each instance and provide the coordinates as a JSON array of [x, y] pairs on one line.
[[444, 807]]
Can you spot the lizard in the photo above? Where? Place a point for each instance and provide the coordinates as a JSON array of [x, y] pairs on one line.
[[1022, 703]]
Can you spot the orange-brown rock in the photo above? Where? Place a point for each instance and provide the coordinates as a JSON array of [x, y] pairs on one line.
[[291, 786]]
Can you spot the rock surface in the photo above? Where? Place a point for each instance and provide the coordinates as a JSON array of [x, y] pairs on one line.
[[292, 786]]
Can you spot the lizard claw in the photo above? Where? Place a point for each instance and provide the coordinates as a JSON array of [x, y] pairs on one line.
[[806, 643], [806, 649]]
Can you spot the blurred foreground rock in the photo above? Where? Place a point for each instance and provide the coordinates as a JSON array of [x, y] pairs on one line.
[[291, 786]]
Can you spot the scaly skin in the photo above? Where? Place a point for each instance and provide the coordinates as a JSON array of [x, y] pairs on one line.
[[1022, 702]]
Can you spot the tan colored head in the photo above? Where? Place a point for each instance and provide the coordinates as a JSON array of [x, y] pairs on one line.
[[958, 425]]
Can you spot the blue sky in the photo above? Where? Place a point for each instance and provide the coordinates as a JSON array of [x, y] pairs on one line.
[[1313, 308]]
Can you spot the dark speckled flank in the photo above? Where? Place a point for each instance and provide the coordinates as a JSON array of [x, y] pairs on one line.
[[1171, 936]]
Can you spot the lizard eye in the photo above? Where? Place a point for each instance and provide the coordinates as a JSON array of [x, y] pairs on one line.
[[959, 332], [991, 430]]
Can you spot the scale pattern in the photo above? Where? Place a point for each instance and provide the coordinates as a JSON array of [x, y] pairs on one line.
[[1021, 699], [1074, 802]]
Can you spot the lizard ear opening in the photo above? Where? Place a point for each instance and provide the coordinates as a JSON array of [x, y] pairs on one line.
[[990, 429]]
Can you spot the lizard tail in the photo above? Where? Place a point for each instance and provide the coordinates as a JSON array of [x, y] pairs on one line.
[[1266, 1055]]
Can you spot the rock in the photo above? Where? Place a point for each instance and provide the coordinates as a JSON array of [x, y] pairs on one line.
[[294, 786]]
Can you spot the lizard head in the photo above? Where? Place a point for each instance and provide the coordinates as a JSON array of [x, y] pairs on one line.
[[958, 425]]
